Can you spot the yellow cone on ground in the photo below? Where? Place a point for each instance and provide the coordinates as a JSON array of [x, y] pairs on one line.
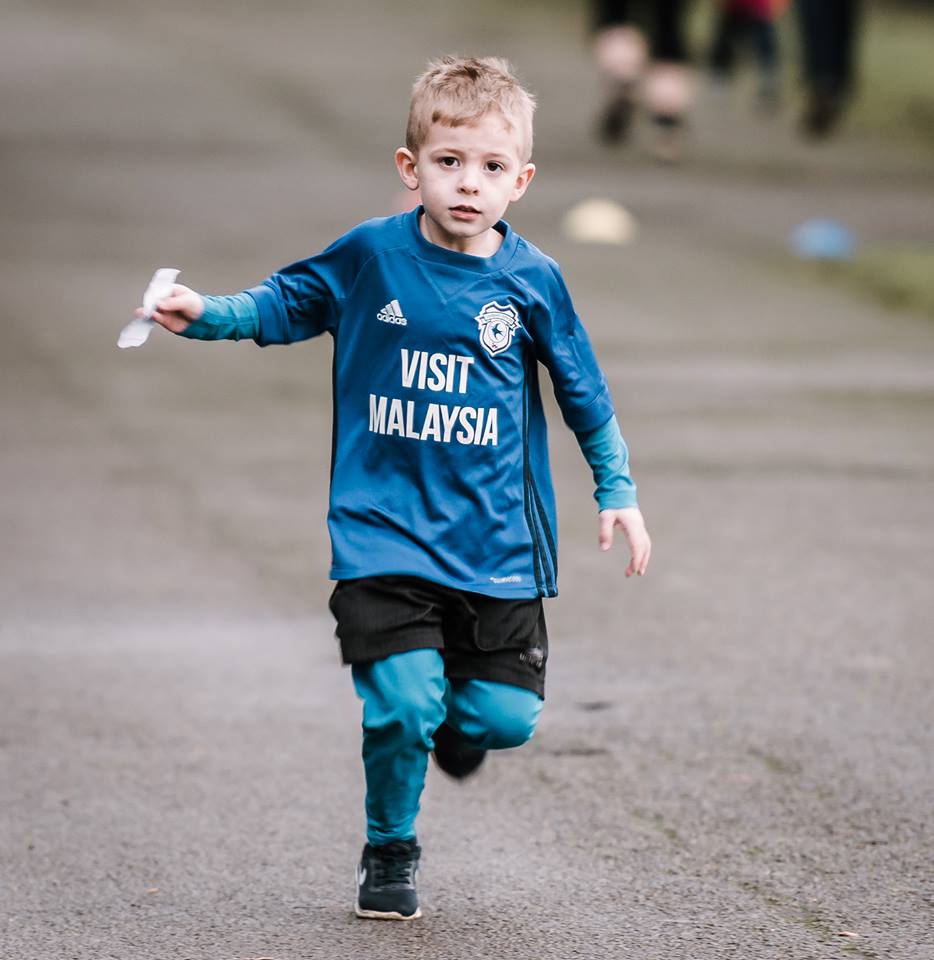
[[599, 220]]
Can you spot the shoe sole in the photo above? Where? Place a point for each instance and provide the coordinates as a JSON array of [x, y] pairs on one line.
[[381, 915]]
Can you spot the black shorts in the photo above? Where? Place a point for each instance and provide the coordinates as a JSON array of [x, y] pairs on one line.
[[480, 637], [662, 20]]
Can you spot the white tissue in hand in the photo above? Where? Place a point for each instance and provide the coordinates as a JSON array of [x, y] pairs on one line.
[[136, 332]]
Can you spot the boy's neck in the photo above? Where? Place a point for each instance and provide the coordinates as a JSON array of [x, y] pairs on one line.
[[484, 245]]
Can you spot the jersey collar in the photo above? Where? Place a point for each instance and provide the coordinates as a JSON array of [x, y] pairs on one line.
[[431, 251]]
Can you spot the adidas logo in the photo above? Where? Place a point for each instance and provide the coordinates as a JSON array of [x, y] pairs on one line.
[[392, 313]]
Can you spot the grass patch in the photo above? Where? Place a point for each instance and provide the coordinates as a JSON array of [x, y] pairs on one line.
[[895, 73], [900, 277]]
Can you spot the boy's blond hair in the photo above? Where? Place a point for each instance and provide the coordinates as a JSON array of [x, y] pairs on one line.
[[459, 90]]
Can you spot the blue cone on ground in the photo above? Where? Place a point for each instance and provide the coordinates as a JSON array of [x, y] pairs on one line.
[[823, 239]]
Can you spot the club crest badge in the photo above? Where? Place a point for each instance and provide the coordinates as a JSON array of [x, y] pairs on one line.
[[497, 325]]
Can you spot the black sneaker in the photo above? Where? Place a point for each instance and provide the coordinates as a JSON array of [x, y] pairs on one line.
[[386, 881], [454, 755], [822, 112]]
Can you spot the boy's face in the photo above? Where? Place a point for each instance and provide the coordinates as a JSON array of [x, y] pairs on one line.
[[468, 175]]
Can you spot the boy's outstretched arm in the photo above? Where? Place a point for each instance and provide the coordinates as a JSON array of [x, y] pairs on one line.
[[201, 317], [605, 451]]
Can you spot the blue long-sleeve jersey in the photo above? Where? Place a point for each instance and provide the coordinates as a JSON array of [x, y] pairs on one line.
[[440, 461]]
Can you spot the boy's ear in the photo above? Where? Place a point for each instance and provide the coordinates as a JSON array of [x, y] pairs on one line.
[[405, 164], [522, 182]]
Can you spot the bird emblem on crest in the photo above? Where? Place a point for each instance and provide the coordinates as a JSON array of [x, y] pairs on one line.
[[497, 323]]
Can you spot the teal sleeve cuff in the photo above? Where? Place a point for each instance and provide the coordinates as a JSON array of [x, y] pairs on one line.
[[226, 318], [605, 450]]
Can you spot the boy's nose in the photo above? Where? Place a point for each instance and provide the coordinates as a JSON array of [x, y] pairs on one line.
[[470, 182]]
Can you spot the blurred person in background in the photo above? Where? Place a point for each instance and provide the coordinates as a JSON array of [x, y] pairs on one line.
[[642, 56], [752, 24], [828, 35]]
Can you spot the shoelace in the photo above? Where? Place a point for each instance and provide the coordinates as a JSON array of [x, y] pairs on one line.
[[391, 872], [395, 865]]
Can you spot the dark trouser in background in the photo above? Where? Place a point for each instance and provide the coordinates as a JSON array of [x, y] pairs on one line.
[[828, 32], [828, 36], [738, 28], [734, 29]]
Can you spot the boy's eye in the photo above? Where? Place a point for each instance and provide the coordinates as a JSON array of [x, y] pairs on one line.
[[494, 166], [448, 161]]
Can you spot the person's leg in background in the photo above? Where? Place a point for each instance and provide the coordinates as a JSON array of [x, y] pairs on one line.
[[764, 37], [669, 84], [828, 31], [727, 28], [621, 54], [653, 73]]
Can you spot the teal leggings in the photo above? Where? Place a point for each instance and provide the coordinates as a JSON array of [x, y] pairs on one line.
[[405, 699]]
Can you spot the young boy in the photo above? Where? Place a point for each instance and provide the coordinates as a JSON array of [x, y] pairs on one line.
[[441, 512]]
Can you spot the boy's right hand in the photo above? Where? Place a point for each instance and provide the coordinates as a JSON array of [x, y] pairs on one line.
[[176, 311]]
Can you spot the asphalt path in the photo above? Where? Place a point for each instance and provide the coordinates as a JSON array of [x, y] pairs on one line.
[[735, 759]]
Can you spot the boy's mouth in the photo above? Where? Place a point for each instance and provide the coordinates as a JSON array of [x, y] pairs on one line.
[[464, 211]]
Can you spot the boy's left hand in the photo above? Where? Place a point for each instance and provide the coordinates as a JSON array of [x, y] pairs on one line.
[[629, 520]]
